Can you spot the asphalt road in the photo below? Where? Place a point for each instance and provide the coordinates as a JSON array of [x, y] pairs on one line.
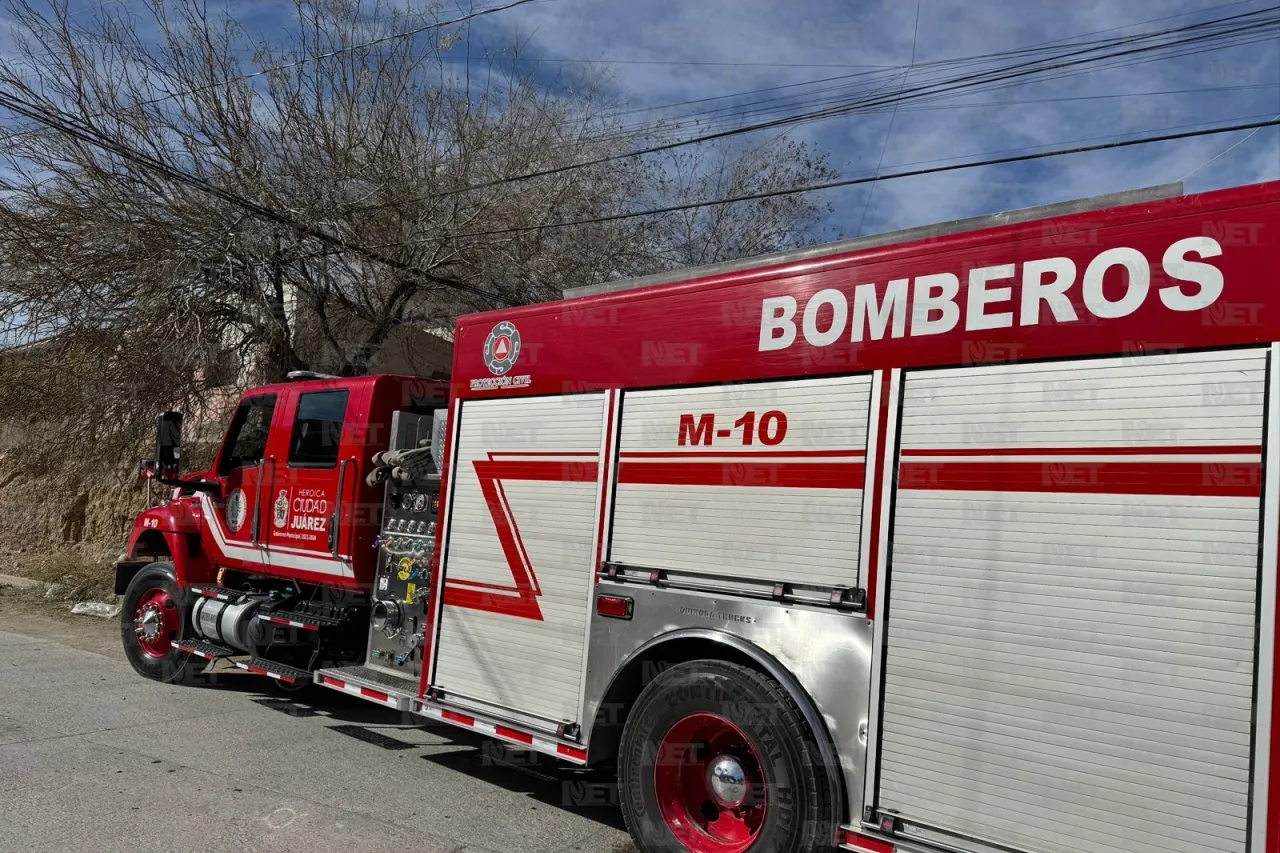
[[94, 757]]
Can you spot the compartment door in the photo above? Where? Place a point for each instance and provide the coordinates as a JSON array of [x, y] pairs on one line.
[[1069, 658], [519, 569], [752, 484]]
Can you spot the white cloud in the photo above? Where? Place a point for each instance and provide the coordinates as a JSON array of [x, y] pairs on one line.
[[880, 33]]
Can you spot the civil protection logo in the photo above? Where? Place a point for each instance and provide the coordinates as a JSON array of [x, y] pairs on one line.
[[502, 348]]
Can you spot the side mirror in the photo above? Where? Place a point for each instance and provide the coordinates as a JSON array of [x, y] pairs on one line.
[[168, 445]]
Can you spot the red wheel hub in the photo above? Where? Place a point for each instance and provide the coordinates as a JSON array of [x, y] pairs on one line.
[[710, 785], [156, 622]]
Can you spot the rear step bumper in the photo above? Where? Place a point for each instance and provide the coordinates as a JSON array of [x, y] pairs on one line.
[[866, 839], [370, 684]]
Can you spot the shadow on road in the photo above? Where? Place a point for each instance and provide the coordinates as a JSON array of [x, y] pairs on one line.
[[586, 792], [583, 791]]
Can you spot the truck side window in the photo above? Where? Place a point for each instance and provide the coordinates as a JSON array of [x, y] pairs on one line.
[[248, 435], [317, 429]]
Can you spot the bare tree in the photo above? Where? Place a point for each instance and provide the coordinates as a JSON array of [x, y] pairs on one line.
[[137, 292]]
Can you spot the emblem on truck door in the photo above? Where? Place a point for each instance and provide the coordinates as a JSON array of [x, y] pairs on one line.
[[502, 348], [235, 510], [282, 509]]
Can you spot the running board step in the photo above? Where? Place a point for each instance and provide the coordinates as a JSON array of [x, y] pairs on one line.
[[398, 693], [205, 650], [305, 621], [278, 671]]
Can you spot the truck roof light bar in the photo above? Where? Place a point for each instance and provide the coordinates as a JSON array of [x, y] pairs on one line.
[[303, 375]]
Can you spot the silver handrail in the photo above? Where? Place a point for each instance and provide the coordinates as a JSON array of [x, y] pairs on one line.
[[255, 530], [335, 534]]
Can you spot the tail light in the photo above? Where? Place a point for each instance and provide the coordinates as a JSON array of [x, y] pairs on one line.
[[614, 606]]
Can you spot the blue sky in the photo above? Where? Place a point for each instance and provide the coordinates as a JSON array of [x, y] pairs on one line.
[[768, 43], [670, 51]]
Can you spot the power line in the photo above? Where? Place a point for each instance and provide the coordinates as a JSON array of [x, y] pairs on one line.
[[1062, 152], [1223, 152], [1005, 73], [893, 118], [951, 62], [701, 62], [740, 110], [1184, 48]]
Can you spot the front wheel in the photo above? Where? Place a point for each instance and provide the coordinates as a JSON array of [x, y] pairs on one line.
[[153, 618], [716, 758]]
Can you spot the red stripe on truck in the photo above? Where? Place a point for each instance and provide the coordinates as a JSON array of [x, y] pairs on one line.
[[1218, 479], [778, 474], [375, 694], [455, 717], [885, 378], [512, 734], [604, 503], [571, 752], [1181, 450]]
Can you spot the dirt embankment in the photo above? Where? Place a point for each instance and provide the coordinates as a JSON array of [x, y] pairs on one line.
[[66, 528]]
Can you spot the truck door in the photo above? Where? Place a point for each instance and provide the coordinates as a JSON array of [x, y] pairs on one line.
[[304, 501], [239, 468]]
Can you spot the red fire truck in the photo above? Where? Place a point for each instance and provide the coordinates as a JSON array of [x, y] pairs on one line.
[[963, 539]]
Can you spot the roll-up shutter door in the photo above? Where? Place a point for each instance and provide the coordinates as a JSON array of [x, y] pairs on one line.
[[520, 556], [1069, 656], [760, 482]]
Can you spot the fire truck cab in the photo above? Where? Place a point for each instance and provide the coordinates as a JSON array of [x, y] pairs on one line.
[[962, 540], [288, 510]]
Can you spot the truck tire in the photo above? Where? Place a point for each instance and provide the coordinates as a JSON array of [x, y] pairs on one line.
[[152, 617], [716, 758]]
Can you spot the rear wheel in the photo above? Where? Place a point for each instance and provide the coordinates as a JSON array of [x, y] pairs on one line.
[[153, 618], [717, 758]]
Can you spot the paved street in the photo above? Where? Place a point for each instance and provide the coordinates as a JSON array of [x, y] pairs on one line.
[[93, 757]]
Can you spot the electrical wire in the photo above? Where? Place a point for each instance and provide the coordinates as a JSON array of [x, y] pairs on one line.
[[739, 110], [848, 182], [730, 115], [1223, 152], [1071, 59]]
